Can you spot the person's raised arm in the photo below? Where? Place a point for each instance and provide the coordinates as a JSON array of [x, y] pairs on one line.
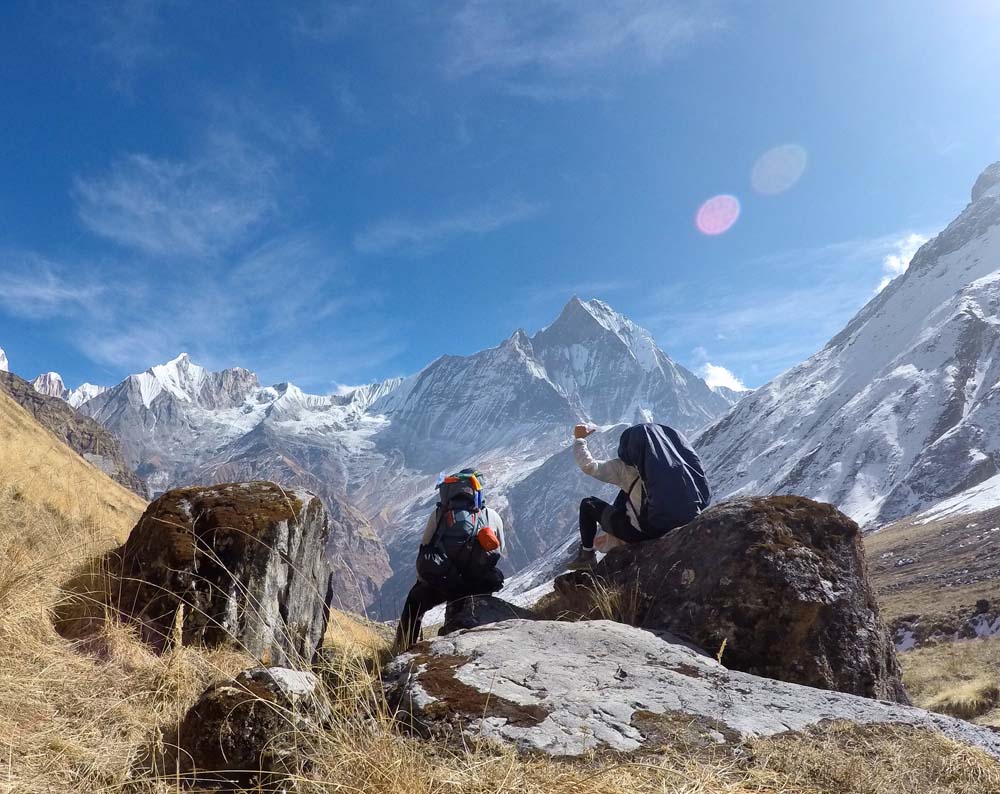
[[609, 471]]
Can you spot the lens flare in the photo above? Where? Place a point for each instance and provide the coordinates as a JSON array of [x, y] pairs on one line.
[[718, 214], [778, 169]]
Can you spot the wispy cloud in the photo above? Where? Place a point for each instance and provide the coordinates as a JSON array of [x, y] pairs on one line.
[[267, 305], [215, 193], [129, 36], [896, 263], [177, 208], [397, 233], [31, 287], [550, 48]]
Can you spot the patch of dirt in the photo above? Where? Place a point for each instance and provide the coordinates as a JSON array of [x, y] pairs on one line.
[[456, 697]]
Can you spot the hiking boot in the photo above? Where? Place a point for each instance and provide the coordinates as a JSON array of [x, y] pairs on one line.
[[583, 561]]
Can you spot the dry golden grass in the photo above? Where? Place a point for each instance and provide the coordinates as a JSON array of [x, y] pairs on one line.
[[958, 678], [89, 717], [46, 472]]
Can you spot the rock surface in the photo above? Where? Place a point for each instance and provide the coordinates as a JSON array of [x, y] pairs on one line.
[[247, 560], [566, 689], [83, 435], [247, 730], [480, 610], [782, 581]]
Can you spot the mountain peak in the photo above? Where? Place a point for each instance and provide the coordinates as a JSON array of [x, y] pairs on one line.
[[50, 384], [988, 182], [4, 366], [582, 320]]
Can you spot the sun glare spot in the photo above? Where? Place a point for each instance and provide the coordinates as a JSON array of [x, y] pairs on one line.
[[718, 214], [778, 169]]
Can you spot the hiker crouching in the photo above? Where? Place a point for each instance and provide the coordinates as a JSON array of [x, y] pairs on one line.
[[662, 486], [459, 552]]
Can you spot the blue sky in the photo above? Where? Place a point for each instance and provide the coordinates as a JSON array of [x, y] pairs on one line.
[[334, 193]]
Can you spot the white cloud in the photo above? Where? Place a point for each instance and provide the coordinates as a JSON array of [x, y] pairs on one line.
[[31, 287], [896, 263], [180, 208], [395, 233], [267, 306], [128, 35], [716, 375], [547, 48]]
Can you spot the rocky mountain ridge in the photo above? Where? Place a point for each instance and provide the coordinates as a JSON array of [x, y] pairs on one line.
[[51, 384]]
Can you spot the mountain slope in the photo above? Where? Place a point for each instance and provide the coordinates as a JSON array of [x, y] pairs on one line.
[[86, 437], [46, 473], [900, 409]]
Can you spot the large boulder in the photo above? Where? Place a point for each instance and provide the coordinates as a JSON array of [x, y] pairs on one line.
[[250, 731], [778, 585], [248, 562], [568, 689], [480, 610]]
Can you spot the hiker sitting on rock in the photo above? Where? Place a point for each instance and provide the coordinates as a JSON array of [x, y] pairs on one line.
[[662, 482], [458, 555]]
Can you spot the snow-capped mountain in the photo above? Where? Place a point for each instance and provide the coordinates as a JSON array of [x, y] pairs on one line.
[[612, 370], [84, 392], [4, 365], [902, 408], [51, 385], [381, 447]]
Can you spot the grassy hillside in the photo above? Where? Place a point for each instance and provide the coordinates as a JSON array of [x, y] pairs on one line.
[[92, 716], [937, 570]]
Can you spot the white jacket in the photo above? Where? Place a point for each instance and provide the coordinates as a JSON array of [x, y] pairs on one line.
[[614, 471]]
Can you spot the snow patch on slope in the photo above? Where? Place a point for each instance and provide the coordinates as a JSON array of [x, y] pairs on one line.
[[985, 496]]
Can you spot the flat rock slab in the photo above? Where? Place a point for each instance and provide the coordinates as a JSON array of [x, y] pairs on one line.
[[566, 689]]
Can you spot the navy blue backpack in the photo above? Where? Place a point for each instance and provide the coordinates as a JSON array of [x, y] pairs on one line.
[[676, 489]]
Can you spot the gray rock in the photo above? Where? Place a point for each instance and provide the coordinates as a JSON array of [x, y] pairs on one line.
[[480, 610], [781, 581], [248, 731], [567, 689], [247, 560]]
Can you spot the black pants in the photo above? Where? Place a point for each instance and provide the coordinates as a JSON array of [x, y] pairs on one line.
[[423, 597], [594, 511]]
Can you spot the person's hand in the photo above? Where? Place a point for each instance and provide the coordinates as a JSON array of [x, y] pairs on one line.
[[582, 431]]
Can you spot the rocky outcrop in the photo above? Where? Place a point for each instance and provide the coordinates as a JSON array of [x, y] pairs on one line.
[[249, 732], [247, 561], [480, 610], [778, 585], [82, 434], [567, 689]]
